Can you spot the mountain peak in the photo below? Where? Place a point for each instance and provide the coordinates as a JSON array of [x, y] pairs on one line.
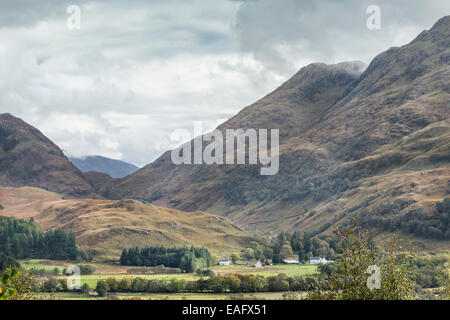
[[332, 74], [114, 168], [354, 67], [441, 27], [350, 145], [7, 118], [28, 158], [300, 101]]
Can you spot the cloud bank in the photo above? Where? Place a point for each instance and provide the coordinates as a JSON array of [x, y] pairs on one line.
[[137, 70]]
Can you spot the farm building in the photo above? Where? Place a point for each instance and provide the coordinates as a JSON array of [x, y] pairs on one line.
[[290, 261], [318, 260], [224, 262]]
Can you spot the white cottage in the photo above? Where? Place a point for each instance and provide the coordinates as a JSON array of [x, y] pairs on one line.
[[318, 260], [292, 261], [224, 262]]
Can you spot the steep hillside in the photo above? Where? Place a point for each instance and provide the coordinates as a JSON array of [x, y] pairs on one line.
[[375, 146], [97, 179], [114, 168], [293, 107], [105, 227], [28, 158]]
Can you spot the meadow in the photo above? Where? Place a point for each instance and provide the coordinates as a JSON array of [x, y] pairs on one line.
[[104, 271], [47, 265], [181, 296]]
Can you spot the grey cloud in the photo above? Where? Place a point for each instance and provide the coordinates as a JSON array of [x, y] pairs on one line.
[[26, 13], [137, 70], [326, 30]]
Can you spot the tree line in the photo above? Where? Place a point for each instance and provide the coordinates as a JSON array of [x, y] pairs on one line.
[[21, 239], [429, 223], [233, 283], [288, 245], [187, 259]]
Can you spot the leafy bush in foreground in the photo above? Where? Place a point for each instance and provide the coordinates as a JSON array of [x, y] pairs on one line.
[[359, 264]]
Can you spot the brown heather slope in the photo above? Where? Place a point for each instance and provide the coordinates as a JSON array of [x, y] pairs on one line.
[[96, 179], [28, 158], [374, 146], [294, 106], [105, 227]]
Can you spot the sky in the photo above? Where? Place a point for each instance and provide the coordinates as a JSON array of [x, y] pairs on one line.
[[136, 71]]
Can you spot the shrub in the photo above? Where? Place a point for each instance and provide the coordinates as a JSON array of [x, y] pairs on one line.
[[51, 285], [6, 290], [350, 279], [86, 269], [205, 272], [101, 288], [85, 289]]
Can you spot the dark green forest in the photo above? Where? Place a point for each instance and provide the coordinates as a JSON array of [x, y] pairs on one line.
[[287, 245], [187, 259], [21, 239], [421, 222]]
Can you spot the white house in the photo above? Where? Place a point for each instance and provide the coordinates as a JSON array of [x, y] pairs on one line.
[[224, 262], [318, 260], [290, 261], [258, 264]]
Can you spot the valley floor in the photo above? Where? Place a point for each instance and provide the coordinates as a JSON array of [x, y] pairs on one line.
[[180, 296], [104, 271]]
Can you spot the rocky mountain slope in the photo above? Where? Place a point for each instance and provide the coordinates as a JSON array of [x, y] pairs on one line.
[[112, 167], [374, 145], [28, 158]]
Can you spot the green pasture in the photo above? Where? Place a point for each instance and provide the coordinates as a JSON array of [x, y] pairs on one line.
[[180, 296]]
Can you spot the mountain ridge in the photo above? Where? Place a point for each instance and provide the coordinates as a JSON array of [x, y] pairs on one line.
[[338, 134], [373, 145], [113, 167], [28, 158]]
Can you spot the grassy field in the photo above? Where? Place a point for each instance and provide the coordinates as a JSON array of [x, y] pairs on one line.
[[180, 296], [44, 264], [289, 270], [91, 280], [104, 271]]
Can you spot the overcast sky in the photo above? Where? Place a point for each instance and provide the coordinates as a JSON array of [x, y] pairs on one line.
[[137, 70]]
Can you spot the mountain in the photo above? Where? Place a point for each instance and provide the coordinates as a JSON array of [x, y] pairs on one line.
[[105, 227], [114, 168], [373, 145], [292, 107], [97, 179], [28, 158]]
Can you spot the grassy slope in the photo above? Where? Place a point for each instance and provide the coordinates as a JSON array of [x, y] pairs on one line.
[[28, 158], [106, 227]]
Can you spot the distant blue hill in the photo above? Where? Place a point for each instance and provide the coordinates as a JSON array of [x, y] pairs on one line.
[[115, 168]]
